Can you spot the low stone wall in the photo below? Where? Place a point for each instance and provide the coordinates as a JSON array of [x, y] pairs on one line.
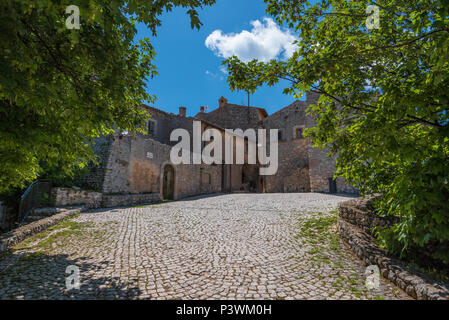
[[90, 199], [70, 197], [128, 199], [10, 239], [359, 212], [355, 222]]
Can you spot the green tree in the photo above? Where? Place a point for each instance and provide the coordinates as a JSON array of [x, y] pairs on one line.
[[383, 107], [60, 87]]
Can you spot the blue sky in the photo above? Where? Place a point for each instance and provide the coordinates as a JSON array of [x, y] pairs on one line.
[[189, 71]]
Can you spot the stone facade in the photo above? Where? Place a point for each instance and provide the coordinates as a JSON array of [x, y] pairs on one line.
[[302, 168], [232, 116], [140, 164]]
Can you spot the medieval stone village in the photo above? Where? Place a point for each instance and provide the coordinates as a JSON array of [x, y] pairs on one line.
[[141, 164], [130, 171], [180, 231]]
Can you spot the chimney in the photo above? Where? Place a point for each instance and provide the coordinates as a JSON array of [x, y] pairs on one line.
[[202, 109], [222, 102], [182, 111]]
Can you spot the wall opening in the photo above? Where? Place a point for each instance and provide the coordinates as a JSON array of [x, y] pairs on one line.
[[168, 183], [332, 185]]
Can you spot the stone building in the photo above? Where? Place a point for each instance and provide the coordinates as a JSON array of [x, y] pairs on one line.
[[140, 164], [302, 168]]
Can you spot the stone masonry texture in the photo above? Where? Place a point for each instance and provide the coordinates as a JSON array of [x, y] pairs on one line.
[[356, 222]]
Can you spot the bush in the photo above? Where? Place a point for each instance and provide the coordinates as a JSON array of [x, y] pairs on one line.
[[419, 195]]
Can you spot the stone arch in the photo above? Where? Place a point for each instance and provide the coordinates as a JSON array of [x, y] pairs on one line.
[[168, 181]]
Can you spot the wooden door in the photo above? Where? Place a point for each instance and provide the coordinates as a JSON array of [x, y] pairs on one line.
[[168, 184]]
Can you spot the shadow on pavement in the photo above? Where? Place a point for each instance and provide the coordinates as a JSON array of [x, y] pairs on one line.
[[28, 275]]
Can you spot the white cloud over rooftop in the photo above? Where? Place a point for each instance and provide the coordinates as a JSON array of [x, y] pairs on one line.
[[264, 42]]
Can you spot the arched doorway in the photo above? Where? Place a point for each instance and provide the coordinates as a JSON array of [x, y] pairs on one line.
[[168, 183]]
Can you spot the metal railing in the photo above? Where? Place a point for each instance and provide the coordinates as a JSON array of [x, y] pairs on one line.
[[34, 197]]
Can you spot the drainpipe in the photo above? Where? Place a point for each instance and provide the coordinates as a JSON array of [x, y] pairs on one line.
[[230, 178]]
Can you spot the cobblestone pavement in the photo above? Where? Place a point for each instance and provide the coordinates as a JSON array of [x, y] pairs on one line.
[[239, 246]]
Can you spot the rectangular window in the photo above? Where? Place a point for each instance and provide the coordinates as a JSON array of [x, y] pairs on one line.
[[151, 127], [298, 133], [280, 135], [206, 178]]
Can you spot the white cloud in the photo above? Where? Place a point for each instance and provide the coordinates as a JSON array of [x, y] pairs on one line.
[[216, 75], [264, 42], [223, 69]]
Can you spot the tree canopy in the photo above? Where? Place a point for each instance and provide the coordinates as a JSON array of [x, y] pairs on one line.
[[383, 107], [61, 87]]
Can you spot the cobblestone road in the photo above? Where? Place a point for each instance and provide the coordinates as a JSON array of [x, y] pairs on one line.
[[240, 246]]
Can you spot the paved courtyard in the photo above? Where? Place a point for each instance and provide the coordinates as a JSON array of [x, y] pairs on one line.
[[239, 246]]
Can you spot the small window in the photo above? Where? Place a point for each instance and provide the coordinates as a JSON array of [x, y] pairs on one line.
[[205, 177], [280, 135], [299, 133], [151, 127]]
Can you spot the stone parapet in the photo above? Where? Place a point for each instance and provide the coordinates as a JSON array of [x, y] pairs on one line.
[[11, 238], [71, 197], [110, 200], [93, 200], [356, 220]]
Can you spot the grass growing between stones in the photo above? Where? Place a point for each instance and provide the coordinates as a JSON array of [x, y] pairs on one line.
[[53, 236], [318, 233]]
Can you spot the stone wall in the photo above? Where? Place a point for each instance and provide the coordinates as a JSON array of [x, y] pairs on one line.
[[165, 123], [72, 197], [359, 212], [232, 116], [321, 169], [211, 179], [118, 200], [89, 199], [293, 173], [288, 119], [96, 172], [134, 165], [355, 222]]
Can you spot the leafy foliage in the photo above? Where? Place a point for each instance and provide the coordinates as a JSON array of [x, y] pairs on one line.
[[383, 107], [60, 88]]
